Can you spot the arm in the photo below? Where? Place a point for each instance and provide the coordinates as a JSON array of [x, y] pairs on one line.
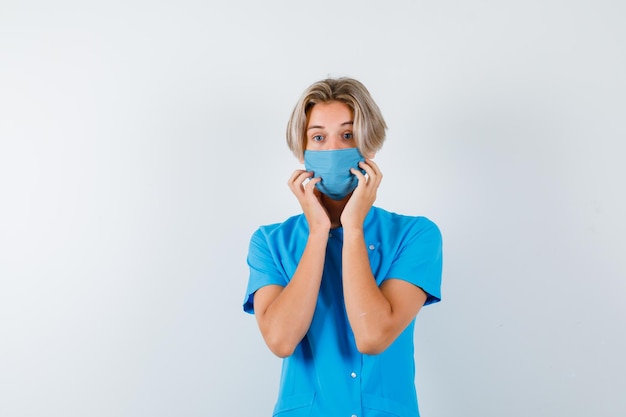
[[377, 315], [284, 314]]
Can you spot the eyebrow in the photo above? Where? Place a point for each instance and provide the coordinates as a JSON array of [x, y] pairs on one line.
[[322, 127]]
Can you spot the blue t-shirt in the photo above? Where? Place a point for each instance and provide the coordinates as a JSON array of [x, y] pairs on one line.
[[326, 375]]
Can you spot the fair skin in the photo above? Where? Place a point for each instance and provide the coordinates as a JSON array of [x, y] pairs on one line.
[[377, 315]]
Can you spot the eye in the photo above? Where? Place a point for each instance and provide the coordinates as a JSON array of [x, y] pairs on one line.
[[348, 135], [317, 138]]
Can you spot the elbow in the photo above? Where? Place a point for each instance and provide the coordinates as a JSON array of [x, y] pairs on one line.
[[371, 345], [280, 347], [280, 342], [282, 351]]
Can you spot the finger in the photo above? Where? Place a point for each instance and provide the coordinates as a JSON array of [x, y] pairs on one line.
[[297, 179], [298, 173], [359, 175], [369, 169], [310, 186], [371, 181], [374, 166], [372, 170]]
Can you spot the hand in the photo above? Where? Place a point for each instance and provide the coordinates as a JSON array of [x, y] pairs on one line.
[[363, 196], [309, 198]]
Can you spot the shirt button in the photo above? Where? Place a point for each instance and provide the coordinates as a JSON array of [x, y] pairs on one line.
[[330, 235], [353, 374], [372, 247], [353, 415]]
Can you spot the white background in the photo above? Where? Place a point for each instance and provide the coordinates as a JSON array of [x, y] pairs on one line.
[[141, 143]]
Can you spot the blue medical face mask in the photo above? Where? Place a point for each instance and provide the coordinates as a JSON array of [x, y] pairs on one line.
[[333, 167]]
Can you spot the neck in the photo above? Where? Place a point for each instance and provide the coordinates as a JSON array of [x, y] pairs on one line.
[[334, 209]]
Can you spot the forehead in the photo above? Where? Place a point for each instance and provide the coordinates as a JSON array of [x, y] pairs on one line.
[[330, 113]]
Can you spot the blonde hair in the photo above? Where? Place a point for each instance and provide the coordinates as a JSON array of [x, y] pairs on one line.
[[369, 125]]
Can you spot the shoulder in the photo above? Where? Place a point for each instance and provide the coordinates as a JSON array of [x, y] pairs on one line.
[[292, 228], [401, 224], [292, 223]]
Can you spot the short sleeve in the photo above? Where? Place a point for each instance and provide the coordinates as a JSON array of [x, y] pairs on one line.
[[263, 268], [419, 259]]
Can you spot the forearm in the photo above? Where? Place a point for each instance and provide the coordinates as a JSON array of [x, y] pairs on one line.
[[287, 319], [369, 311]]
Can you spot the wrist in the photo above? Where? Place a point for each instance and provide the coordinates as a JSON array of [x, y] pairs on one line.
[[319, 232], [353, 231]]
